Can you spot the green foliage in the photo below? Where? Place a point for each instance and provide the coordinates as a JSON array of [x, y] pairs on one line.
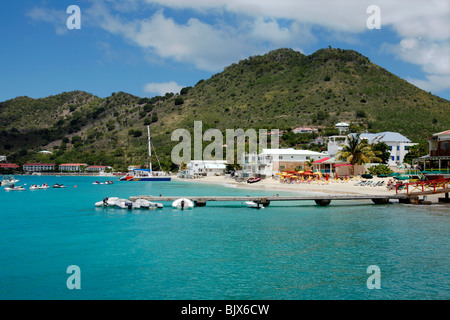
[[135, 133], [280, 89], [380, 169], [384, 152], [179, 101]]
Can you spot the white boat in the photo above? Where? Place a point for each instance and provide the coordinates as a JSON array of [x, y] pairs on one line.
[[44, 186], [183, 203], [126, 204], [58, 185], [148, 204], [255, 205], [14, 188], [146, 174], [8, 181], [107, 202], [34, 187]]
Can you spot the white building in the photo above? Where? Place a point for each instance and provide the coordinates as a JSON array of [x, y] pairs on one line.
[[206, 168], [2, 158], [272, 161], [342, 127], [98, 168], [72, 166], [397, 142], [38, 167], [334, 144]]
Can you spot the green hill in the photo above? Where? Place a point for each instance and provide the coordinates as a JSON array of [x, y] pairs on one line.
[[282, 89]]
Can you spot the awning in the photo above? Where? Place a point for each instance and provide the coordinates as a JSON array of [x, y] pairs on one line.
[[321, 160], [342, 165]]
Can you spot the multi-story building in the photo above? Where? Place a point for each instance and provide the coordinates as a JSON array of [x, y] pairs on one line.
[[73, 167], [38, 167]]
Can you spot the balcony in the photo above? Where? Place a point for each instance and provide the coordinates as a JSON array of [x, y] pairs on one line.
[[440, 153]]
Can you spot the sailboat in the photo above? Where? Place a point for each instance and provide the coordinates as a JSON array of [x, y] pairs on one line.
[[146, 174]]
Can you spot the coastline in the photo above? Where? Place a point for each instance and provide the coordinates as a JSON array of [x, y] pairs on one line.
[[333, 188]]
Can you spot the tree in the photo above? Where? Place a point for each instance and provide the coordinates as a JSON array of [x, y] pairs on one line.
[[358, 152], [384, 151], [416, 151], [179, 101]]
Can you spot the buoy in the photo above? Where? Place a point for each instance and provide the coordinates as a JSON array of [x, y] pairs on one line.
[[75, 186]]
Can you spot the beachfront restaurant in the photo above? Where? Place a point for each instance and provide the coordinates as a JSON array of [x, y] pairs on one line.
[[438, 159], [337, 168]]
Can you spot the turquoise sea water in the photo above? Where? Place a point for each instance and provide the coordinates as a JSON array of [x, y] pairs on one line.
[[286, 251]]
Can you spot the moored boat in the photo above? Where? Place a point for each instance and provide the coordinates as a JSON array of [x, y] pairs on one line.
[[253, 180], [146, 174], [183, 203], [14, 188], [58, 186], [252, 204]]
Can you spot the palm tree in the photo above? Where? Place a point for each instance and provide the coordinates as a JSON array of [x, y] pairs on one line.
[[358, 152]]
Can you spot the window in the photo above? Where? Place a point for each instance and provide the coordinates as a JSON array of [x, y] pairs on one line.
[[398, 158], [393, 158], [398, 148]]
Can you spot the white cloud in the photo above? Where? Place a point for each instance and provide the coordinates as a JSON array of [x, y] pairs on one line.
[[210, 41], [433, 83], [57, 18], [161, 88]]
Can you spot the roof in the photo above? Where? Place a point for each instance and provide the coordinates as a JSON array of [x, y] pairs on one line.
[[39, 164], [321, 160], [291, 151], [386, 136], [333, 160], [441, 133], [72, 164], [8, 165], [97, 167], [342, 124]]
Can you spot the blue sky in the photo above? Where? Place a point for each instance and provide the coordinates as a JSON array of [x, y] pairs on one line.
[[149, 47]]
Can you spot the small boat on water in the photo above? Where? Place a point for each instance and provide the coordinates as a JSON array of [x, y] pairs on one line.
[[38, 187], [106, 182], [148, 204], [253, 180], [8, 181], [58, 185], [182, 204], [14, 188], [252, 204], [127, 204]]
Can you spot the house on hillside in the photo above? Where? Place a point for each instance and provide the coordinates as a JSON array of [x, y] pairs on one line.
[[305, 130]]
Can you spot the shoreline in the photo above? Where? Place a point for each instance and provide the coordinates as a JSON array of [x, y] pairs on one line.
[[333, 188]]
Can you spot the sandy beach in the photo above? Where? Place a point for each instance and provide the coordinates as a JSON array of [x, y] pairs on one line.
[[332, 188]]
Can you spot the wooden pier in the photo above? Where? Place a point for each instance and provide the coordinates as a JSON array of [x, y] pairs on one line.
[[321, 200]]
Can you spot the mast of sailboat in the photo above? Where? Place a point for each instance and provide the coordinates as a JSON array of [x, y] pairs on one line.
[[149, 150]]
